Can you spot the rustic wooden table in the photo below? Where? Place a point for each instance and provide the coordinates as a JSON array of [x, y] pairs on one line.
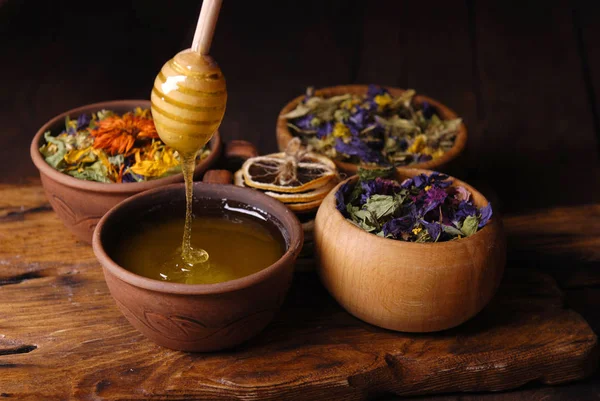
[[525, 77]]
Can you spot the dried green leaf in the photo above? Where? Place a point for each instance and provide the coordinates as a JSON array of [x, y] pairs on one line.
[[470, 225], [102, 114], [405, 99], [94, 172], [300, 111], [364, 219], [117, 160], [450, 230], [382, 205], [56, 157], [366, 174]]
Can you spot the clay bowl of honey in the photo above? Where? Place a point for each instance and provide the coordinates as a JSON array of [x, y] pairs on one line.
[[79, 203], [408, 286], [252, 241]]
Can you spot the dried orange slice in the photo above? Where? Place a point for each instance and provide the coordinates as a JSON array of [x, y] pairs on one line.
[[299, 197], [285, 174], [305, 206], [308, 196], [238, 178]]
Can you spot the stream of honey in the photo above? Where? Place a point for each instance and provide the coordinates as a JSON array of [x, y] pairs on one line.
[[188, 104]]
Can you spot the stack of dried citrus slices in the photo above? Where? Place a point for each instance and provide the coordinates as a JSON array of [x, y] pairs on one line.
[[298, 178]]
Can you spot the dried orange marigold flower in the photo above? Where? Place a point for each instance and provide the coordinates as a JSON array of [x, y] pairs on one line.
[[117, 135]]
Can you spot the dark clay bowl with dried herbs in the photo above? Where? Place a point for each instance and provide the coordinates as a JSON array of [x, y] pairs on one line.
[[93, 157], [421, 252], [370, 125]]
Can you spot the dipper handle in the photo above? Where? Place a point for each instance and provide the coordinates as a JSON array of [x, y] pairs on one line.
[[206, 26]]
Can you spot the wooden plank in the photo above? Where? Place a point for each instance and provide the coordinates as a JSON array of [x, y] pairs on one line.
[[63, 337], [563, 241], [538, 126]]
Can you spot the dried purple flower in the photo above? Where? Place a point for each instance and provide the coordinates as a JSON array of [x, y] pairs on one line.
[[486, 214], [396, 227], [378, 186], [304, 122], [434, 229], [374, 90], [461, 194], [358, 148], [340, 198], [464, 210], [427, 110], [434, 198], [324, 130], [359, 118], [83, 121]]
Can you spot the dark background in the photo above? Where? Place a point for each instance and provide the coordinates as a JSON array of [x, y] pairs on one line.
[[524, 75]]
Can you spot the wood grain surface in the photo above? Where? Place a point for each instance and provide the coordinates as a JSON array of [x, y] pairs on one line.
[[62, 336], [525, 76]]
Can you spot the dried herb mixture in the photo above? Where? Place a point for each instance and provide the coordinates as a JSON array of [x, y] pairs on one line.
[[420, 209], [372, 129], [111, 148]]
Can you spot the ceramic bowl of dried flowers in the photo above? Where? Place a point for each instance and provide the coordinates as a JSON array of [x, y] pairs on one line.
[[370, 125], [93, 157], [417, 253]]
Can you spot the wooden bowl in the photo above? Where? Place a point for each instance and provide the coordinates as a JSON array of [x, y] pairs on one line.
[[79, 203], [407, 286], [198, 317], [441, 163]]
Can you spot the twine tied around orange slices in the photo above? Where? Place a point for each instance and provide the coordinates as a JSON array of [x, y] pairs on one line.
[[297, 177]]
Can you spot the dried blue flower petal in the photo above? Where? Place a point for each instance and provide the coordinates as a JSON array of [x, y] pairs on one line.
[[324, 130], [358, 148], [464, 210], [486, 215], [434, 229], [434, 198], [83, 121], [396, 227], [359, 118], [340, 198], [304, 122], [378, 186], [427, 110], [420, 180], [374, 90]]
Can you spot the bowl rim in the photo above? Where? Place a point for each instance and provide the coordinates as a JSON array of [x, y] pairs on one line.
[[329, 202], [460, 142], [120, 188], [275, 208]]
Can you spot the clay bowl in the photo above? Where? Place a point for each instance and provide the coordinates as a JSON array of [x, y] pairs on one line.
[[199, 317], [407, 286], [79, 203], [441, 164]]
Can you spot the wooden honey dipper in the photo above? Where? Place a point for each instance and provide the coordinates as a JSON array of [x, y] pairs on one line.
[[189, 94], [188, 103]]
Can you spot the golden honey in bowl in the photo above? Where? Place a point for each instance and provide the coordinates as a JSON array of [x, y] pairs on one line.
[[238, 244]]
